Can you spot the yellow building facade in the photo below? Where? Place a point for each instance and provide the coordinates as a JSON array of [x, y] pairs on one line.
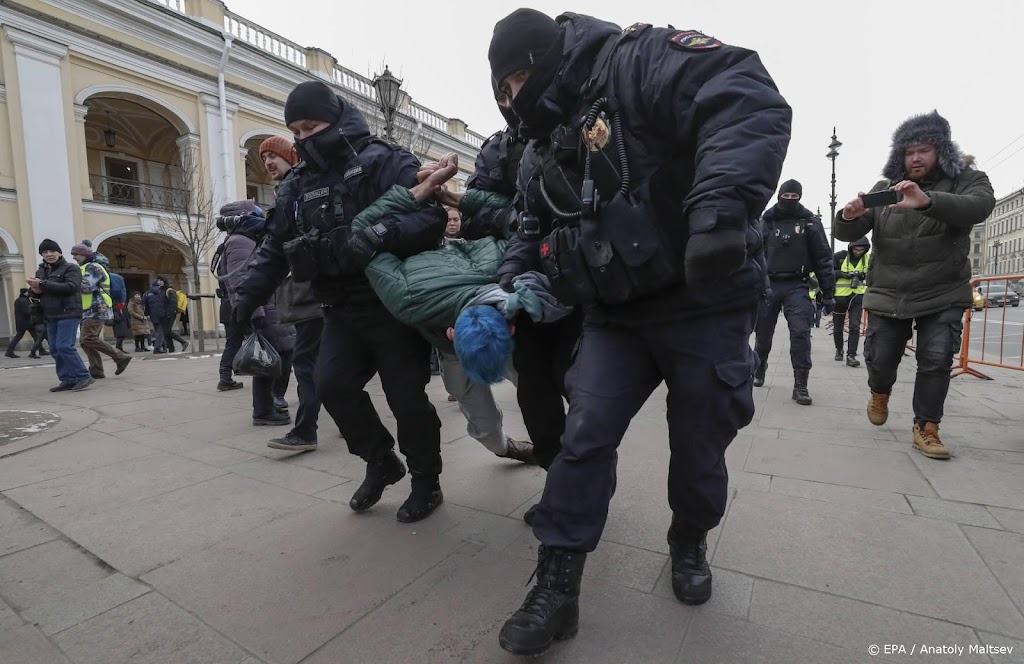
[[128, 121]]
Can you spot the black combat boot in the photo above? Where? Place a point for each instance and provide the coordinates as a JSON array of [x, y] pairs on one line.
[[839, 354], [381, 472], [759, 374], [552, 608], [852, 361], [691, 574], [800, 394], [426, 497], [227, 383]]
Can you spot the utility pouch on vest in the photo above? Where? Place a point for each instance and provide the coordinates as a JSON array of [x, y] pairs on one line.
[[619, 256], [301, 254]]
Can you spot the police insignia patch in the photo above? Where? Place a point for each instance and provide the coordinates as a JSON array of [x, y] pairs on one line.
[[691, 40]]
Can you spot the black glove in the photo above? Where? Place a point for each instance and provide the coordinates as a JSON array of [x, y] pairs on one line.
[[713, 255], [258, 323], [506, 282], [361, 247], [241, 313]]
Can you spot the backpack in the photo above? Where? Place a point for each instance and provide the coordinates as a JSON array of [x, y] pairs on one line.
[[118, 290], [182, 302]]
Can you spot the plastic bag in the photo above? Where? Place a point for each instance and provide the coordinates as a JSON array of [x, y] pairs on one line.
[[256, 357]]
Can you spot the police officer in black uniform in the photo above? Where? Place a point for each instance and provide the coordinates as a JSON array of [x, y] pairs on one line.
[[543, 351], [343, 170], [654, 151], [796, 245]]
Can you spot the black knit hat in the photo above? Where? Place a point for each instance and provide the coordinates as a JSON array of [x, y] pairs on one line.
[[49, 245], [312, 100], [519, 41], [791, 187]]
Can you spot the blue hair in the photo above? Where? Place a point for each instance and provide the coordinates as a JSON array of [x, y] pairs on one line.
[[483, 343]]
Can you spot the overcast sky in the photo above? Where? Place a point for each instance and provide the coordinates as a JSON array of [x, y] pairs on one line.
[[862, 66]]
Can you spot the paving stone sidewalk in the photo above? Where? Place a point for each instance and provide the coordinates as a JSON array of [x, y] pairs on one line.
[[151, 523]]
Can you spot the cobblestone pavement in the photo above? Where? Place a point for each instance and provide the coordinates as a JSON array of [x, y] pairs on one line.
[[151, 523]]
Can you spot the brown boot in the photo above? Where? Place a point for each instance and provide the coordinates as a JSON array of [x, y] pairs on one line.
[[878, 408], [520, 450], [927, 441]]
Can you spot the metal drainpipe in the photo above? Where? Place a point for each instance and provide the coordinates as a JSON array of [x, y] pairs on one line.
[[225, 138]]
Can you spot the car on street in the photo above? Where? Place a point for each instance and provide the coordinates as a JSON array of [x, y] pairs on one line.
[[997, 295], [979, 300]]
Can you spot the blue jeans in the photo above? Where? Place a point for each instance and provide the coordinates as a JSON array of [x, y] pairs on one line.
[[61, 334]]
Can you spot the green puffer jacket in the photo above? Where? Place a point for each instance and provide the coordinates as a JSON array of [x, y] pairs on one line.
[[920, 262], [429, 290]]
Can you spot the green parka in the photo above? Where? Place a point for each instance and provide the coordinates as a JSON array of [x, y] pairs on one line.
[[920, 262], [429, 290], [921, 258]]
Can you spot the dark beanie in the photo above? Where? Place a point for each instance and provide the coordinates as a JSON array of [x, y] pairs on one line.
[[520, 40], [792, 187], [49, 245], [81, 250], [312, 100], [238, 209]]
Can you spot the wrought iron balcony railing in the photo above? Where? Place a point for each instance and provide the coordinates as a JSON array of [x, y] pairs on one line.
[[130, 193]]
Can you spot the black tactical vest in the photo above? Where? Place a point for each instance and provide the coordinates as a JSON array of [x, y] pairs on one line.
[[786, 249]]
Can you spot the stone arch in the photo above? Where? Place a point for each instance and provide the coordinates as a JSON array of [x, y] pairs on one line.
[[8, 246], [180, 121], [139, 228], [249, 135]]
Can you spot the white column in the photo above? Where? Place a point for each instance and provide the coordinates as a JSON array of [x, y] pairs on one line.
[[223, 184], [46, 141], [81, 110], [189, 158], [8, 265]]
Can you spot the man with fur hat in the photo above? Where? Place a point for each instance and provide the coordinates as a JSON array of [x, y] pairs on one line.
[[795, 245], [920, 274]]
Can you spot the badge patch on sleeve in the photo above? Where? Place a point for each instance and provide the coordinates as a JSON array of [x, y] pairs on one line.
[[691, 40]]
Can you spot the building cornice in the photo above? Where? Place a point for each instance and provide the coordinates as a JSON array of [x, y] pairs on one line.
[[258, 67], [9, 195], [3, 93], [34, 46]]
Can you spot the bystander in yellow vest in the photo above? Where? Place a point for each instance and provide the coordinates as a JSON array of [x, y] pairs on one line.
[[844, 287]]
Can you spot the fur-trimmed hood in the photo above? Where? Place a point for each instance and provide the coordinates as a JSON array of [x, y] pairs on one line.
[[925, 128]]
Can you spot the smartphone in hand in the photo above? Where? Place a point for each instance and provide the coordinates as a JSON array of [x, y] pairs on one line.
[[880, 199]]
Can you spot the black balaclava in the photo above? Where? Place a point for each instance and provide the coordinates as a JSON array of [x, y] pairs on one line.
[[510, 116], [528, 40], [313, 100], [790, 187]]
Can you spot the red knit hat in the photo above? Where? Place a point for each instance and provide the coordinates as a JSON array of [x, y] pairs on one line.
[[281, 147]]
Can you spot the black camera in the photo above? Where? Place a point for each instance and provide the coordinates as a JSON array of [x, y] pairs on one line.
[[228, 224]]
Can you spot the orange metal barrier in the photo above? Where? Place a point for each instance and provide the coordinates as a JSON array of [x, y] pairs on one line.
[[991, 340]]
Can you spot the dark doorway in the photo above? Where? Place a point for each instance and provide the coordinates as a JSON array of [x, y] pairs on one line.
[[122, 182], [136, 282]]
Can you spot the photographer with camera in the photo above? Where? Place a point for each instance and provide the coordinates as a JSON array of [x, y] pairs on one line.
[[851, 283], [343, 170], [920, 273]]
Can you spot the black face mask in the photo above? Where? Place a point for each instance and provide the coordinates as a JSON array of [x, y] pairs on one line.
[[510, 117], [789, 207], [327, 147]]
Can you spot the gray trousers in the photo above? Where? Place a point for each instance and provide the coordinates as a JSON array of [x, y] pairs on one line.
[[476, 401]]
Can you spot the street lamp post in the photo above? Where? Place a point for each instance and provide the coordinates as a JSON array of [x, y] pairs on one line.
[[390, 97], [833, 152], [995, 266]]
